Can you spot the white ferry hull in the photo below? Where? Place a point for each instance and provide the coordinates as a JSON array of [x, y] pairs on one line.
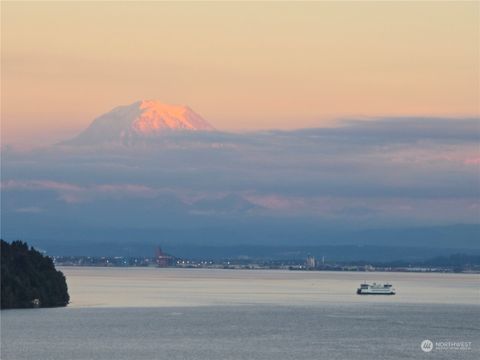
[[375, 289], [373, 292]]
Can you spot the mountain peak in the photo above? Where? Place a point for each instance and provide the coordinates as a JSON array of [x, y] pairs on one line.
[[144, 118], [157, 116]]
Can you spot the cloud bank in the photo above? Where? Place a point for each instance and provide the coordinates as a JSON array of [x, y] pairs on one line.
[[362, 174]]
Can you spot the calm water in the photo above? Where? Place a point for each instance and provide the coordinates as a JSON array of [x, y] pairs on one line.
[[230, 314]]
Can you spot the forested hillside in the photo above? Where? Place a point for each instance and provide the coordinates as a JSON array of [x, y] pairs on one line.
[[29, 279]]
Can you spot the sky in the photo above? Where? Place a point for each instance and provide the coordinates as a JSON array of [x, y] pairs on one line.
[[333, 118], [242, 66]]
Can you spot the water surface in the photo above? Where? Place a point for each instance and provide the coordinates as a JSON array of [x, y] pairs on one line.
[[140, 287], [235, 314]]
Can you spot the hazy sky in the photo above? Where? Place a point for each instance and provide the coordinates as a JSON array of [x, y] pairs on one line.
[[239, 65]]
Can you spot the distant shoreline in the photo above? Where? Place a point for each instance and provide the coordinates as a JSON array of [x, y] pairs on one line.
[[376, 270]]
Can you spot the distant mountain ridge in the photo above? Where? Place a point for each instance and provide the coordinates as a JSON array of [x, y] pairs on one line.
[[144, 119], [264, 239]]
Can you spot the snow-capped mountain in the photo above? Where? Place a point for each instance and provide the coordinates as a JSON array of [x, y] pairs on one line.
[[143, 119]]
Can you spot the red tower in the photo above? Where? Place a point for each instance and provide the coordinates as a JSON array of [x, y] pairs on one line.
[[162, 259]]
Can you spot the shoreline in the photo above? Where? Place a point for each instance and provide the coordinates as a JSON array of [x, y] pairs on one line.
[[394, 271]]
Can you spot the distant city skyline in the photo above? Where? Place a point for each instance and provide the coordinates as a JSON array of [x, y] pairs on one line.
[[242, 66]]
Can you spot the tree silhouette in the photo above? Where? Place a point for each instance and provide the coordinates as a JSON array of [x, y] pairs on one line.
[[29, 279]]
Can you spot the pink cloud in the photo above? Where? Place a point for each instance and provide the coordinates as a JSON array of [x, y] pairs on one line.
[[125, 190], [276, 202], [472, 161], [38, 185], [71, 193]]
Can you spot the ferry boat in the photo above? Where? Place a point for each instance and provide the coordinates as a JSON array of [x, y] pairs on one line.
[[375, 289]]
